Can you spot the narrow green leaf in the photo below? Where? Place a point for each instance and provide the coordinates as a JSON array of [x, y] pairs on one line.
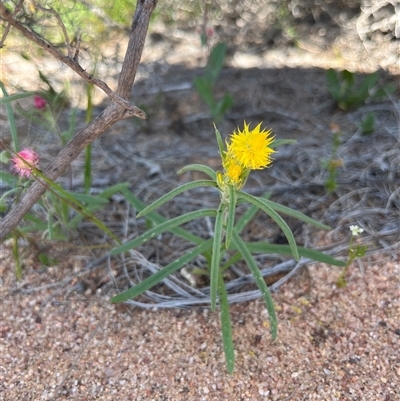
[[348, 77], [265, 247], [261, 203], [50, 225], [11, 98], [232, 260], [333, 83], [154, 279], [158, 219], [368, 124], [215, 62], [363, 90], [216, 255], [248, 215], [11, 120], [220, 143], [279, 142], [168, 225], [87, 173], [199, 167], [65, 213], [293, 213], [70, 131], [222, 106], [226, 327], [204, 89], [258, 278], [88, 199], [120, 187], [170, 195], [231, 216]]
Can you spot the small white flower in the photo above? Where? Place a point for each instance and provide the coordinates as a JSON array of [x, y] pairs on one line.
[[355, 230]]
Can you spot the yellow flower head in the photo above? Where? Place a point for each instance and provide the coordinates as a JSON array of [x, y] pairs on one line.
[[251, 148], [233, 170]]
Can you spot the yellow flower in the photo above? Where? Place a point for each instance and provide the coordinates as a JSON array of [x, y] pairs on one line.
[[251, 148], [233, 170]]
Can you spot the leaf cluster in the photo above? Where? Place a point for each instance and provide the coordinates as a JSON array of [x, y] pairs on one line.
[[351, 92], [205, 84]]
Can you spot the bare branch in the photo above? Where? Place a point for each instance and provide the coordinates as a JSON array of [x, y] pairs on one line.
[[77, 48], [7, 28], [70, 62], [113, 113], [132, 57]]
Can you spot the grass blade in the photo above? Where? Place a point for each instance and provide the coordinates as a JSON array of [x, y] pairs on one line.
[[199, 167], [258, 278], [231, 216], [261, 203], [220, 143], [226, 326], [280, 142], [248, 215], [293, 213], [170, 195], [11, 120], [265, 247], [216, 256], [11, 98]]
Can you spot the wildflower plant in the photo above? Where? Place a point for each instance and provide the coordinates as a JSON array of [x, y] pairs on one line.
[[206, 83], [355, 251], [350, 91], [245, 150], [59, 211], [334, 163]]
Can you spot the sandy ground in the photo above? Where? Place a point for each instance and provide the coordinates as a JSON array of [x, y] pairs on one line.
[[333, 344]]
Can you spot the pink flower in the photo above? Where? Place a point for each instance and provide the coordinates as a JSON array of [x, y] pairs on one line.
[[39, 103], [22, 168]]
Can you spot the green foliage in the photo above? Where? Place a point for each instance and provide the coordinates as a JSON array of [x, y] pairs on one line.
[[225, 241], [10, 116], [58, 212], [46, 260], [355, 251], [286, 22], [205, 84], [368, 124], [120, 11], [350, 92]]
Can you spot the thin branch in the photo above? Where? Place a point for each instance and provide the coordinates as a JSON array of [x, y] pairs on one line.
[[113, 113], [132, 58], [70, 62], [8, 26], [77, 48]]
